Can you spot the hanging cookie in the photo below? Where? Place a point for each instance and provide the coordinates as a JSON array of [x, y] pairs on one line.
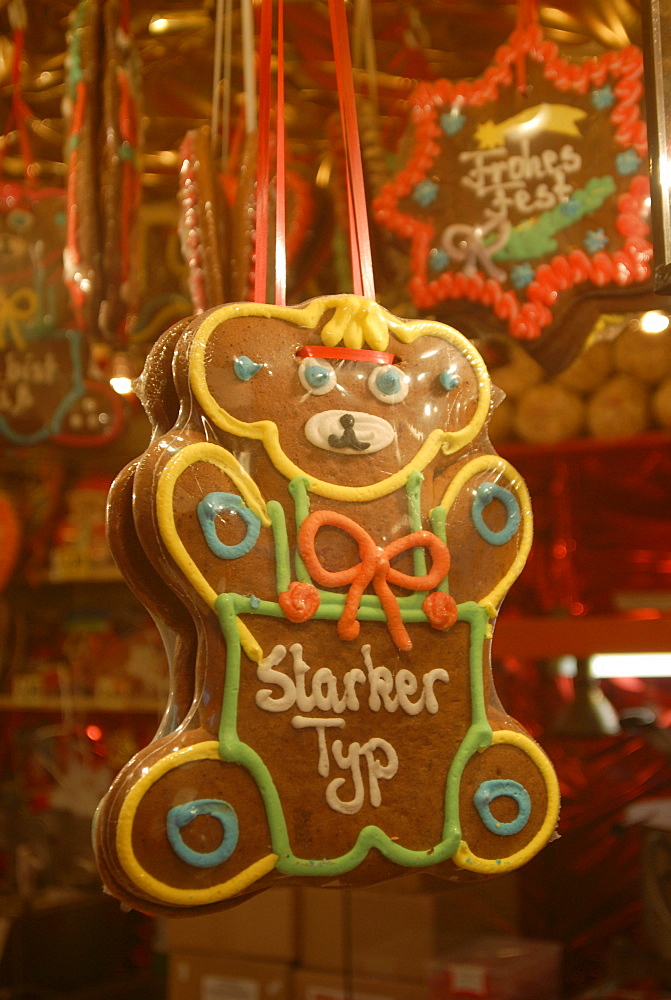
[[526, 193]]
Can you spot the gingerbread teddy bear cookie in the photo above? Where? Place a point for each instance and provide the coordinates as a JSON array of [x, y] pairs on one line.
[[328, 511]]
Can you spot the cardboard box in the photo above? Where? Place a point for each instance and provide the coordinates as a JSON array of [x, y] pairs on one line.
[[262, 927], [309, 985], [207, 977], [381, 932], [499, 968]]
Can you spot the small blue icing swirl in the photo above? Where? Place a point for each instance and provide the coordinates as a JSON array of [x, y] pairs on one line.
[[316, 376], [495, 789], [245, 368], [388, 382], [180, 816], [448, 379], [484, 495], [208, 510]]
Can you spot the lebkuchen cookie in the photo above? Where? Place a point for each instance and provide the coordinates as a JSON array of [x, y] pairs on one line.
[[327, 508]]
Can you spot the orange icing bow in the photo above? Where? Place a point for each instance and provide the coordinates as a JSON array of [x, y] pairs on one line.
[[374, 568]]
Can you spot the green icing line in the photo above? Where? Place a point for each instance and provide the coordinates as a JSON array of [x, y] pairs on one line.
[[298, 489], [413, 489], [232, 749], [439, 527], [282, 556], [530, 239]]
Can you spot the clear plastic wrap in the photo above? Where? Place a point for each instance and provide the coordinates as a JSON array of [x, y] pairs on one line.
[[322, 520]]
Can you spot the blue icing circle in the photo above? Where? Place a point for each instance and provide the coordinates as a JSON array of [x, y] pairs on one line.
[[484, 494], [245, 368], [388, 382], [180, 816], [317, 376], [210, 507], [448, 379], [495, 789]]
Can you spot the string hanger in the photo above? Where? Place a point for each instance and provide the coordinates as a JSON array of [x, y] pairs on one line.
[[359, 234]]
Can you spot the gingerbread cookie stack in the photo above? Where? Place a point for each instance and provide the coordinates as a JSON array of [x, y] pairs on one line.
[[322, 520]]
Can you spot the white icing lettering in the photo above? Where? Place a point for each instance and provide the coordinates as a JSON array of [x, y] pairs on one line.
[[351, 761], [528, 182], [321, 725], [323, 691], [431, 678], [266, 672]]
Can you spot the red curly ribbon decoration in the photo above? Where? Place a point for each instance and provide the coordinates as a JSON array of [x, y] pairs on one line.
[[374, 569]]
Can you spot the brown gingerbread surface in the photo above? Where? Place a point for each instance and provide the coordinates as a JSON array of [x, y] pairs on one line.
[[321, 501]]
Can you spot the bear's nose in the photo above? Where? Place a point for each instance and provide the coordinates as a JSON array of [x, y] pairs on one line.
[[349, 433], [348, 439]]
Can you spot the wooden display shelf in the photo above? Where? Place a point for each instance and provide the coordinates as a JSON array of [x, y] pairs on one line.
[[547, 637]]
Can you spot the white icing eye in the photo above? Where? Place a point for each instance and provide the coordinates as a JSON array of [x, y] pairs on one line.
[[388, 384], [316, 375]]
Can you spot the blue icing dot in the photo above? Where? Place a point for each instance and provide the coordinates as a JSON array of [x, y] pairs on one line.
[[570, 208], [245, 368], [210, 507], [254, 601], [425, 193], [438, 259], [180, 816], [388, 382], [522, 275], [602, 97], [449, 379], [452, 122], [627, 163], [595, 240], [484, 495], [316, 376], [494, 789]]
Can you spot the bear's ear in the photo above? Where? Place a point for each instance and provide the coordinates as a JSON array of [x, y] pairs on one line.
[[242, 361], [453, 377], [488, 530], [212, 523]]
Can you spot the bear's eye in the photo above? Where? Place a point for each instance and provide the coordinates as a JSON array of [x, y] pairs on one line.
[[388, 384], [316, 375], [245, 368], [448, 379]]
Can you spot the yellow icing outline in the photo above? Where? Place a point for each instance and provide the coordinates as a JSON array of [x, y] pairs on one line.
[[355, 320], [213, 454], [465, 858], [147, 883], [491, 463]]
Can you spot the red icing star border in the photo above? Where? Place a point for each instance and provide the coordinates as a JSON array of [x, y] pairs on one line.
[[526, 317]]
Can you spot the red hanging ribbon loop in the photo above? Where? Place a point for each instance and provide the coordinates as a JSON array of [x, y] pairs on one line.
[[362, 264], [263, 154]]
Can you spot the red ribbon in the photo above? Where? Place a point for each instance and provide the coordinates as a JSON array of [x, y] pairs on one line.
[[374, 569], [263, 154], [362, 263], [346, 354]]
